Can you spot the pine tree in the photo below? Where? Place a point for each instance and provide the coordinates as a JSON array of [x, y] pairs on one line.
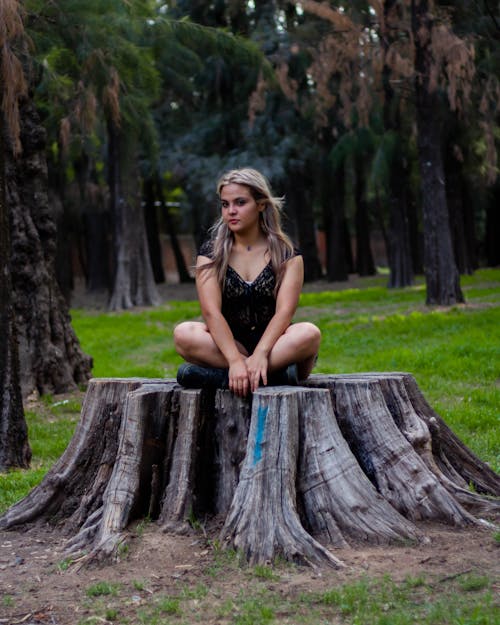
[[14, 446]]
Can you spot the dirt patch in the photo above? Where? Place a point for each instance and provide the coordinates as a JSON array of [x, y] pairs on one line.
[[39, 586]]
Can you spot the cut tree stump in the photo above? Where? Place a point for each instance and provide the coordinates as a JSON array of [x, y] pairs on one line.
[[290, 472]]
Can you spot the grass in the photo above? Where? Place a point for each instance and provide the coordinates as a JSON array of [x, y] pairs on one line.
[[50, 429], [466, 600], [382, 601], [102, 588], [454, 354], [130, 344]]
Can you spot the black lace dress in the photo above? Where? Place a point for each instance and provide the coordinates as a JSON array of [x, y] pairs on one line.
[[247, 306]]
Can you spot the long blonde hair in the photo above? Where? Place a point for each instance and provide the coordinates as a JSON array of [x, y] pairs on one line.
[[279, 244]]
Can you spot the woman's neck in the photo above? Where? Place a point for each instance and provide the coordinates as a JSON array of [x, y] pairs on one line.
[[249, 243]]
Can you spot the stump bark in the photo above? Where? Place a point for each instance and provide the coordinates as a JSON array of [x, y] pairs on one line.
[[290, 472]]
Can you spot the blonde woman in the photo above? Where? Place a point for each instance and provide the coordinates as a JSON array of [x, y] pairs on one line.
[[249, 278]]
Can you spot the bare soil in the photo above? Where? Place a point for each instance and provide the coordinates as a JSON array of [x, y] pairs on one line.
[[37, 588]]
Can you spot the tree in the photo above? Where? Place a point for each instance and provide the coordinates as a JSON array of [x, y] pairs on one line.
[[338, 249], [399, 248], [133, 283], [292, 472], [52, 360], [96, 83], [365, 51], [14, 446], [473, 153], [122, 64], [442, 278], [240, 117], [492, 250]]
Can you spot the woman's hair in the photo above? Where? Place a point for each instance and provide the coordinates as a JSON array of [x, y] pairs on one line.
[[279, 245]]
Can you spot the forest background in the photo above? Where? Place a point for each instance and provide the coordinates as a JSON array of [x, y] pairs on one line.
[[120, 116], [369, 117]]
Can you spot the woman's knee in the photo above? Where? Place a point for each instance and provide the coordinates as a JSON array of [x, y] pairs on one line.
[[184, 335], [311, 335], [306, 337]]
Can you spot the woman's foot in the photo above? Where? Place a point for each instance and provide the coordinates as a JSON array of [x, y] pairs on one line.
[[284, 377], [196, 376]]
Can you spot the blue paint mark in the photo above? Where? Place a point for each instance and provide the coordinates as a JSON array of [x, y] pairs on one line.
[[259, 435]]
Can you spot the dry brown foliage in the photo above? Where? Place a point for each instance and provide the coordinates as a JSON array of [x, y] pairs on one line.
[[111, 96], [89, 112], [348, 55], [64, 133], [453, 66], [287, 84], [488, 108], [257, 101], [12, 81], [322, 9], [491, 155], [83, 115], [352, 56], [349, 61], [378, 7]]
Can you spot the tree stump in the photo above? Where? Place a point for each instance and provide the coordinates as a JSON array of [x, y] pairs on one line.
[[290, 472]]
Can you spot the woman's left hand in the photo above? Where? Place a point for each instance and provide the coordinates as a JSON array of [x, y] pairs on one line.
[[257, 365]]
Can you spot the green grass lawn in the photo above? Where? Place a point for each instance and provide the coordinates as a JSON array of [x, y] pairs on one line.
[[454, 354]]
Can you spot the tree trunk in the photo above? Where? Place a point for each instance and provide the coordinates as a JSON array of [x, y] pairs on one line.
[[51, 360], [400, 261], [184, 275], [133, 283], [335, 223], [299, 207], [153, 231], [399, 250], [96, 229], [92, 225], [263, 521], [416, 238], [441, 274], [14, 447], [492, 228], [365, 265], [292, 471], [461, 217], [57, 187]]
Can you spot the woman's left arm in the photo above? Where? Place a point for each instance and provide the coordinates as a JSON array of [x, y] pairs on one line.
[[286, 305]]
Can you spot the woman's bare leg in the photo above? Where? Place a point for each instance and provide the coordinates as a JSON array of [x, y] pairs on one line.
[[195, 344], [299, 344]]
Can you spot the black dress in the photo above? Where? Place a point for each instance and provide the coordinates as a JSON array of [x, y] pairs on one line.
[[248, 307]]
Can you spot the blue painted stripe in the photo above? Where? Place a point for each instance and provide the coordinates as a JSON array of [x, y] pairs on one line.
[[259, 435]]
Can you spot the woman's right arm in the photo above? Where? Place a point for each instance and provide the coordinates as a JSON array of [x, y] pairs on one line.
[[210, 297]]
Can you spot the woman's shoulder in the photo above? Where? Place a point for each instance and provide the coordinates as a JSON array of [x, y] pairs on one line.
[[206, 248], [292, 253]]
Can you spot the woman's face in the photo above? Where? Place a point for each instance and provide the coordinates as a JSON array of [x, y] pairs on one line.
[[239, 209]]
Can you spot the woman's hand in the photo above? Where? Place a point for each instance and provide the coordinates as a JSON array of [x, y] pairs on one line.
[[238, 378], [257, 365]]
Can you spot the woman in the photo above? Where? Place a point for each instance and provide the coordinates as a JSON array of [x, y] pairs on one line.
[[249, 278]]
